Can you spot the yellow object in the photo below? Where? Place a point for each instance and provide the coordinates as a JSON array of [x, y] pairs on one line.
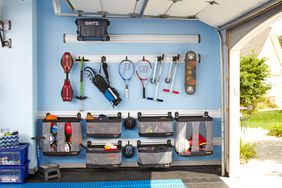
[[90, 117]]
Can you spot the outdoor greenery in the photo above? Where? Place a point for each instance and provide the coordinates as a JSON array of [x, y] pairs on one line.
[[280, 40], [253, 72], [276, 130], [247, 151], [264, 103], [266, 119]]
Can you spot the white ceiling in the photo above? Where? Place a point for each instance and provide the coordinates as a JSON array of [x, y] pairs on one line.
[[110, 6], [221, 12]]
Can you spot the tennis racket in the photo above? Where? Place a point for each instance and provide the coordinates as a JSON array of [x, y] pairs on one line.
[[143, 71], [126, 71]]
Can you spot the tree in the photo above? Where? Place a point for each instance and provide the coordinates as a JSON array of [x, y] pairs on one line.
[[253, 72]]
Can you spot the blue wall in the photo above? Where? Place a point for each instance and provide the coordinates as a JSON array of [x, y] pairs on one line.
[[18, 100], [51, 76]]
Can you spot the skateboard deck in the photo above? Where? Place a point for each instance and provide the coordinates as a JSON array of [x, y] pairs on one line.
[[67, 91], [190, 72], [67, 62]]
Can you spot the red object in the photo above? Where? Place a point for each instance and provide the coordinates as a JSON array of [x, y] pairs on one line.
[[68, 129], [201, 140], [67, 62], [67, 92]]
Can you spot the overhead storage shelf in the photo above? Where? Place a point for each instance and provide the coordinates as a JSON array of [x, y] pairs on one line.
[[141, 39], [214, 13]]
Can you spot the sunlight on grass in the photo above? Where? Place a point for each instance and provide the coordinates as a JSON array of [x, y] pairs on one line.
[[247, 151], [265, 120]]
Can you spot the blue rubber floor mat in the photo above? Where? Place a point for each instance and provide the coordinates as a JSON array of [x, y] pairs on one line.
[[169, 183]]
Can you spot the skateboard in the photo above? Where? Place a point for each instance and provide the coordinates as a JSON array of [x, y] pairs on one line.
[[190, 72], [67, 91], [68, 135]]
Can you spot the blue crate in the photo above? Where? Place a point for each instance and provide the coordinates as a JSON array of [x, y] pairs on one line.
[[14, 156], [13, 174]]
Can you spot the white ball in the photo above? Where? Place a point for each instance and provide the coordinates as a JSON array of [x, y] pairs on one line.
[[183, 145]]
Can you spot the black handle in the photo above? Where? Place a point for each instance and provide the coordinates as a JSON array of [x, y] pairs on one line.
[[144, 93]]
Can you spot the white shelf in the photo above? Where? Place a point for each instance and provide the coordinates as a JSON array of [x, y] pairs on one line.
[[194, 39]]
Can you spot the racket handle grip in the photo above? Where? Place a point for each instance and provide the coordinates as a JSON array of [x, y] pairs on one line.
[[126, 93], [150, 98], [144, 93], [175, 92], [160, 100]]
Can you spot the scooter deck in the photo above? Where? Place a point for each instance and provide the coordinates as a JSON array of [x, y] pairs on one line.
[[190, 72]]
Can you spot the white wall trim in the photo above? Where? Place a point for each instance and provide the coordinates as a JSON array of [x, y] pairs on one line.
[[215, 113], [144, 140], [133, 58]]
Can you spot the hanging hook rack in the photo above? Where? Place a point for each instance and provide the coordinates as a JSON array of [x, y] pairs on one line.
[[4, 26]]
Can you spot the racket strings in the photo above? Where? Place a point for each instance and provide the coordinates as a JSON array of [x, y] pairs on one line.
[[126, 69], [143, 70]]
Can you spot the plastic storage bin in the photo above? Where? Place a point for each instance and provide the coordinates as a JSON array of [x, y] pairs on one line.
[[97, 157], [13, 174], [104, 127], [194, 135], [14, 156], [154, 155], [62, 136], [155, 126]]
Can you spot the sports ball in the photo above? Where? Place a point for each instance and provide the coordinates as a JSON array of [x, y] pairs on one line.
[[68, 130], [183, 145]]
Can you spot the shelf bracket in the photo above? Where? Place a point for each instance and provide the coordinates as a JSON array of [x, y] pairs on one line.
[[5, 26]]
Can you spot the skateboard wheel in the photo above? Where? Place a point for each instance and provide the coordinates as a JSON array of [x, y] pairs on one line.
[[191, 55], [190, 90], [67, 147]]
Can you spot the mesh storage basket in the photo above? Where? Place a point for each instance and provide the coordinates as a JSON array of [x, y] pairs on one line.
[[155, 126], [106, 127], [98, 157], [194, 135], [62, 136], [154, 155]]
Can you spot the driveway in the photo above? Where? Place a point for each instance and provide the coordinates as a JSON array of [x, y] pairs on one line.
[[266, 169]]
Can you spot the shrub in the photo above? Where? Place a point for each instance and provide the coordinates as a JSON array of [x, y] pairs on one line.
[[253, 72], [276, 130], [247, 151]]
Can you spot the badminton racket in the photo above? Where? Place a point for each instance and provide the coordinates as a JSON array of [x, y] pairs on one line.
[[126, 71], [143, 71]]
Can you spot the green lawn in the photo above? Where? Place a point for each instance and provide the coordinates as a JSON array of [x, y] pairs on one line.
[[265, 119]]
